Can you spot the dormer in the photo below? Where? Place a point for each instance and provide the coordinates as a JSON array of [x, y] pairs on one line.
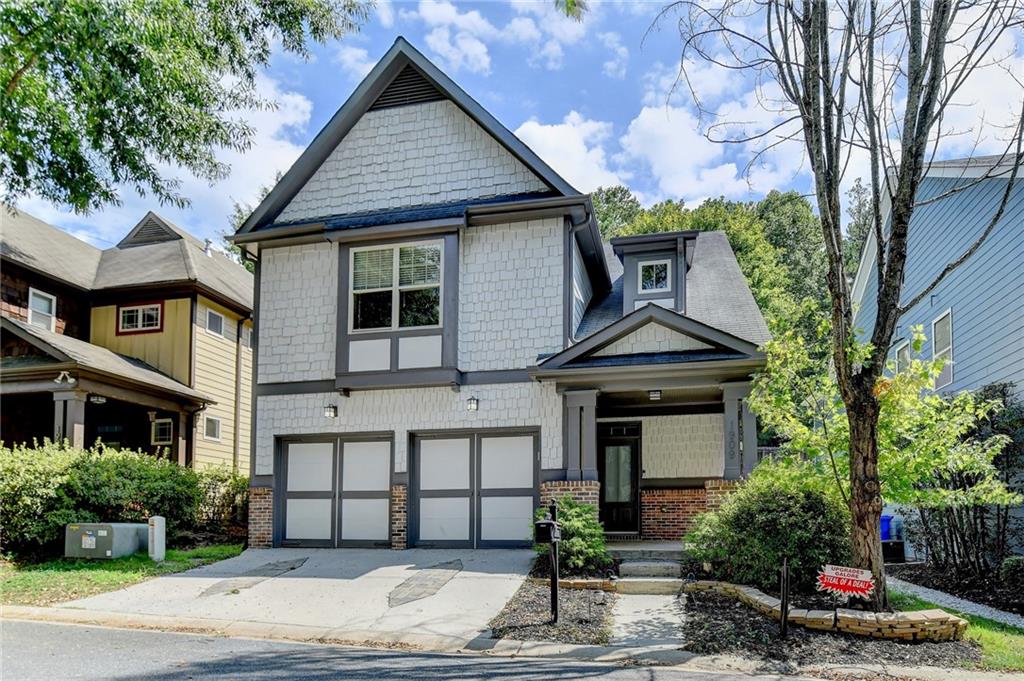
[[654, 269]]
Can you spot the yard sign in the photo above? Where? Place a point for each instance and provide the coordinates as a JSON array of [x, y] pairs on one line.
[[846, 581]]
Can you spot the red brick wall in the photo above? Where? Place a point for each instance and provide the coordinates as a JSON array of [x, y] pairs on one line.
[[261, 517], [399, 517], [669, 514], [583, 491], [718, 490]]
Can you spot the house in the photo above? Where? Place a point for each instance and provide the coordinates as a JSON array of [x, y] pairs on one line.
[[444, 342], [975, 317], [145, 345]]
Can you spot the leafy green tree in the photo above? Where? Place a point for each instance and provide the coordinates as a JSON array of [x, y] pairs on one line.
[[240, 212], [859, 211], [615, 207], [103, 93], [791, 226]]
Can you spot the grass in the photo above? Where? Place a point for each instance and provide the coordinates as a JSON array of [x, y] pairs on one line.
[[1002, 646], [67, 579]]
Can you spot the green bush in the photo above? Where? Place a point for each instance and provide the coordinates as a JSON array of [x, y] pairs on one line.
[[781, 511], [1011, 572], [44, 488], [582, 549], [225, 499]]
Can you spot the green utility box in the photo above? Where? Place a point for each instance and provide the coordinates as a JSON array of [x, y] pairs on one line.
[[104, 540]]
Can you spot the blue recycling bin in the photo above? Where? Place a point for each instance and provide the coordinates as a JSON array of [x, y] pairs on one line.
[[886, 527]]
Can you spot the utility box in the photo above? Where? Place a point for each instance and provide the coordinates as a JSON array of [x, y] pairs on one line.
[[104, 540]]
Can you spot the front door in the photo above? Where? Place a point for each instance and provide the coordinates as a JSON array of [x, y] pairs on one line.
[[618, 464]]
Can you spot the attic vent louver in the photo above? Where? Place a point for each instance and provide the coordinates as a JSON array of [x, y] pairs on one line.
[[408, 87]]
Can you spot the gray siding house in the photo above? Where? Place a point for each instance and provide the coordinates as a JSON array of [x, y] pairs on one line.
[[443, 342]]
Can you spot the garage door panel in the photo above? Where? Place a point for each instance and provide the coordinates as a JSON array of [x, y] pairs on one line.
[[444, 464], [506, 518], [506, 462], [310, 467], [444, 519], [364, 519], [308, 519], [366, 466]]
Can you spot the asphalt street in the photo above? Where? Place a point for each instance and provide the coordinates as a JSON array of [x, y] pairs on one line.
[[37, 651]]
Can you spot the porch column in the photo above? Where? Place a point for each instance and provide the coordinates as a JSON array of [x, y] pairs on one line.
[[732, 393], [749, 436], [581, 434], [181, 440], [69, 416]]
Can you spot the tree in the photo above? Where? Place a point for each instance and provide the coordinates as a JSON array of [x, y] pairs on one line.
[[102, 94], [615, 207], [857, 229], [791, 226], [240, 212]]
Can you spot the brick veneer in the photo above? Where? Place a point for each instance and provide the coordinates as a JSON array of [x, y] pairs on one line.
[[399, 517], [583, 491], [717, 491], [670, 513], [261, 517]]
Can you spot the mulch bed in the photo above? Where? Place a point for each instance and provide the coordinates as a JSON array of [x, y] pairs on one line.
[[991, 591], [715, 624], [584, 616]]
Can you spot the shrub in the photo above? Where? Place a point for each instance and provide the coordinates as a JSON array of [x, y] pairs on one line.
[[582, 549], [781, 511], [225, 500], [44, 488], [1011, 573]]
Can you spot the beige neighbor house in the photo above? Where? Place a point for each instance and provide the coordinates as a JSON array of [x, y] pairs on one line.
[[444, 342], [146, 345]]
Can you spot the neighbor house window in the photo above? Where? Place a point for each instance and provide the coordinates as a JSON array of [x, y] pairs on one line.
[[211, 428], [247, 336], [161, 432], [215, 323], [140, 318], [942, 347], [396, 287], [655, 276], [42, 309], [902, 356]]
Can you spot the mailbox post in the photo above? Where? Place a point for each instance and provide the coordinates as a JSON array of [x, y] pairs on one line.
[[548, 532]]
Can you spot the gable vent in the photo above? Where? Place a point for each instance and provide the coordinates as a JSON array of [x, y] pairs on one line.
[[408, 87], [151, 230]]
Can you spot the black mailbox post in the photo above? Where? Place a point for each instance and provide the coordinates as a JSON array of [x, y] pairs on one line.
[[547, 531]]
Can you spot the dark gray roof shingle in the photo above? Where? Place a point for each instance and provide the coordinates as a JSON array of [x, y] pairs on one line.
[[41, 247]]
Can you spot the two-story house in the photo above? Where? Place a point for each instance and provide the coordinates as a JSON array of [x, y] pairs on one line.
[[444, 343], [145, 345]]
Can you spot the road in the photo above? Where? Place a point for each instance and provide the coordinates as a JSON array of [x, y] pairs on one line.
[[36, 651]]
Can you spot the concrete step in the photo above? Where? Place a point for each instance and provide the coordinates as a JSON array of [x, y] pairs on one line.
[[648, 585], [651, 568], [625, 552]]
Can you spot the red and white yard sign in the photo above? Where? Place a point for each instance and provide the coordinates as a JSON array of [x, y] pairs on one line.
[[846, 581]]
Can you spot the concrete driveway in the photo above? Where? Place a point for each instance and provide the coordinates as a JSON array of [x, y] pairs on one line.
[[435, 598]]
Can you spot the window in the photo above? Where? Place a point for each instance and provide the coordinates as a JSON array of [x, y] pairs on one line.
[[161, 432], [655, 276], [140, 318], [942, 347], [211, 428], [215, 323], [902, 356], [247, 336], [396, 287], [42, 309]]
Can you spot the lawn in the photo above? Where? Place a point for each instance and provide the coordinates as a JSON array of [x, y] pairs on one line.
[[66, 579], [1002, 646]]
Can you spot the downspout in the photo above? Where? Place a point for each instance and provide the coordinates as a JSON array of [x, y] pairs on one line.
[[236, 444]]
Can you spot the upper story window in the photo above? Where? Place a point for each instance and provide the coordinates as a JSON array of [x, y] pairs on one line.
[[42, 309], [654, 276], [942, 346], [902, 356], [215, 323], [140, 318], [396, 287]]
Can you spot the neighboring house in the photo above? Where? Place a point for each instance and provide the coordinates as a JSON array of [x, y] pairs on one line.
[[146, 345], [975, 317], [444, 343]]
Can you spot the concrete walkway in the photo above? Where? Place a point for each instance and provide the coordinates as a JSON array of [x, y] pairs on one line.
[[643, 620], [959, 604]]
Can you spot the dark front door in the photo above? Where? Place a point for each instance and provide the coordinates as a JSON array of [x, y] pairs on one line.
[[618, 464]]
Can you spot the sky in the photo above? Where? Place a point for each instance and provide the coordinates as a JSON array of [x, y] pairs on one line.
[[598, 100]]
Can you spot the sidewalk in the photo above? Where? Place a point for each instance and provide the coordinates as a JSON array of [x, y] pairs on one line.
[[946, 600]]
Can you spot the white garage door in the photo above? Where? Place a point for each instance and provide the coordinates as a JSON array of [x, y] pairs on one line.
[[337, 493], [474, 490]]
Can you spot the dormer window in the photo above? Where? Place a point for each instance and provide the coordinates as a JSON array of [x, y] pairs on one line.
[[396, 287], [654, 276]]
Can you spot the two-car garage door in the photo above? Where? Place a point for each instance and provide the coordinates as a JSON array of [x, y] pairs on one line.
[[473, 490]]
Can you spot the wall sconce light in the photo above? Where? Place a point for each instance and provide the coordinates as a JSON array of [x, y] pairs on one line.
[[331, 411], [97, 399], [472, 404], [151, 415], [654, 395]]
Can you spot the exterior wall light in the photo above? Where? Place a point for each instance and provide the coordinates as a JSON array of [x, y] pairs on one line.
[[654, 395], [472, 404], [97, 399], [331, 411]]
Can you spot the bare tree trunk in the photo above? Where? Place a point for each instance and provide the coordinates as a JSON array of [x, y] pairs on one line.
[[865, 497]]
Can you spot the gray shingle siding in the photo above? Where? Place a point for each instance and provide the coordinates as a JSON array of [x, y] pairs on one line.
[[986, 294]]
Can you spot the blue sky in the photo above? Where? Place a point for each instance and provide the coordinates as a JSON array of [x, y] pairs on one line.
[[594, 99]]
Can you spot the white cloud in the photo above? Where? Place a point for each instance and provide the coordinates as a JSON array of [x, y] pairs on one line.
[[385, 13], [459, 51], [522, 30], [574, 148], [549, 54], [615, 67], [355, 60], [553, 22]]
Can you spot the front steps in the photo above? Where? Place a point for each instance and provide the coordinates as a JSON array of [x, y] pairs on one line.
[[651, 568], [646, 551], [651, 576], [649, 585]]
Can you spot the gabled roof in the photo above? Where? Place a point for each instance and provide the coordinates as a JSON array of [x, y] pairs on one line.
[[419, 79], [152, 229], [43, 248], [88, 356], [723, 345]]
